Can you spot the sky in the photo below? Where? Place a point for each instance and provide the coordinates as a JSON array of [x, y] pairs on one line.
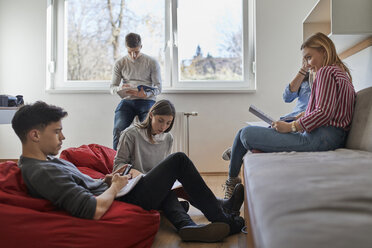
[[203, 22], [200, 22]]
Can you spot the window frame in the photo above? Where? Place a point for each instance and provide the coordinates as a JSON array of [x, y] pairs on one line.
[[56, 55]]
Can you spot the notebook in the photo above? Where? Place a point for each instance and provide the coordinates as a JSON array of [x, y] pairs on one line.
[[257, 112]]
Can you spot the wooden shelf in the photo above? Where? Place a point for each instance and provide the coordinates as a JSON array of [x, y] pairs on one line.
[[346, 22], [358, 47], [8, 108]]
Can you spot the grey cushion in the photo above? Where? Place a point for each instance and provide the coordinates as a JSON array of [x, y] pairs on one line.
[[310, 199], [360, 135]]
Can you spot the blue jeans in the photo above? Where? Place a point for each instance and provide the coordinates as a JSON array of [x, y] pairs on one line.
[[125, 113], [323, 138]]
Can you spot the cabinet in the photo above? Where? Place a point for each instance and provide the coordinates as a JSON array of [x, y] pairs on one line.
[[346, 22]]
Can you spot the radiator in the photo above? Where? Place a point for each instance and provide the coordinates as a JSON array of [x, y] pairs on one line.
[[180, 132]]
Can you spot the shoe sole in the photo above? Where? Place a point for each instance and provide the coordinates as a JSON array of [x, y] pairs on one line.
[[212, 232]]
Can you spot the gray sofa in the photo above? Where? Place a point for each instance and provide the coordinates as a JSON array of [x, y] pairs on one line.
[[314, 199]]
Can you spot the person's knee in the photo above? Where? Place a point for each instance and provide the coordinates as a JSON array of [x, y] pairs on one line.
[[244, 132], [179, 155], [180, 160], [246, 135]]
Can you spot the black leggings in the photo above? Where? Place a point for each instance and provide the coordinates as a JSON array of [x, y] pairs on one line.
[[153, 191]]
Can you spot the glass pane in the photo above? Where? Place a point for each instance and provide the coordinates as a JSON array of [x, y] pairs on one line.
[[95, 37], [210, 39]]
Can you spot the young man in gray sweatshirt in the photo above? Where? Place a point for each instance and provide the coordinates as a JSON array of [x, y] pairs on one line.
[[134, 70], [39, 128]]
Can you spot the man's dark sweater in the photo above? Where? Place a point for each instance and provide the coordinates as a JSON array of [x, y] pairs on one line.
[[60, 182]]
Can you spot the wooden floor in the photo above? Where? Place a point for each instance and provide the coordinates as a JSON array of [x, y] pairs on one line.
[[167, 236]]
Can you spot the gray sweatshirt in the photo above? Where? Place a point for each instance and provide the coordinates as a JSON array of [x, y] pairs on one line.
[[60, 182], [145, 70], [136, 149]]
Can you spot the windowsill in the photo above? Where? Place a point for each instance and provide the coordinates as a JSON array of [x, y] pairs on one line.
[[78, 91], [207, 90], [164, 91]]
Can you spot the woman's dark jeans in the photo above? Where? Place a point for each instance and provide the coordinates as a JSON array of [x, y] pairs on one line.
[[153, 191]]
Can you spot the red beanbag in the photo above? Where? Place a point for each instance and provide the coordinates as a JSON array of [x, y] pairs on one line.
[[13, 191], [97, 157], [32, 222]]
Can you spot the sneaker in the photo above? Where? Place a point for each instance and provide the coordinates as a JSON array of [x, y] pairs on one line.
[[234, 203], [212, 232], [185, 205], [226, 155], [229, 186]]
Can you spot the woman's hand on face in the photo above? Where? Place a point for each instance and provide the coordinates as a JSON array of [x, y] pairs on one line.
[[282, 126], [305, 66]]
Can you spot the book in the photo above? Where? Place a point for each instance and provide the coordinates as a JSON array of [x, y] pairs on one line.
[[132, 182], [257, 112], [257, 123], [129, 186], [123, 92], [288, 118], [267, 118], [146, 88]]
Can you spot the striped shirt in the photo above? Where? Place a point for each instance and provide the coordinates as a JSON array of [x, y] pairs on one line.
[[331, 102]]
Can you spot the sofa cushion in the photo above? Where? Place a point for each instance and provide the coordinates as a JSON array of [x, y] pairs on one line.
[[360, 135], [31, 222], [310, 199]]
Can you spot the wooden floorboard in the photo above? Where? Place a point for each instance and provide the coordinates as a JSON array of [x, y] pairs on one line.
[[168, 238]]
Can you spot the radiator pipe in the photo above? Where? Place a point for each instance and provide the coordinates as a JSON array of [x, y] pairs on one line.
[[188, 114]]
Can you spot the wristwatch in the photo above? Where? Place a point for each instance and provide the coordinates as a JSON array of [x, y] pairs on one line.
[[293, 126]]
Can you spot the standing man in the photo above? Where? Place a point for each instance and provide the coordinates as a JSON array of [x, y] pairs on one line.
[[134, 70]]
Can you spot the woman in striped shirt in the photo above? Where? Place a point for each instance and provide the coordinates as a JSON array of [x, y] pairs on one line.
[[324, 124]]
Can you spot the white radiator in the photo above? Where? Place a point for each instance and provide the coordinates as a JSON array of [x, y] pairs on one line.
[[180, 132]]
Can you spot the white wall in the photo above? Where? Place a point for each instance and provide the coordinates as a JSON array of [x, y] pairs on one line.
[[360, 65], [90, 120]]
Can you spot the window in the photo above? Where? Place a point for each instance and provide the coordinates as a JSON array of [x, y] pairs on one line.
[[201, 45]]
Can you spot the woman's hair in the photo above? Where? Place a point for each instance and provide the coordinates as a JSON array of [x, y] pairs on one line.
[[322, 43], [162, 107]]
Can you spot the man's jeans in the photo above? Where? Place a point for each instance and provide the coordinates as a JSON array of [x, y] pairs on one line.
[[153, 191], [269, 140], [125, 113]]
